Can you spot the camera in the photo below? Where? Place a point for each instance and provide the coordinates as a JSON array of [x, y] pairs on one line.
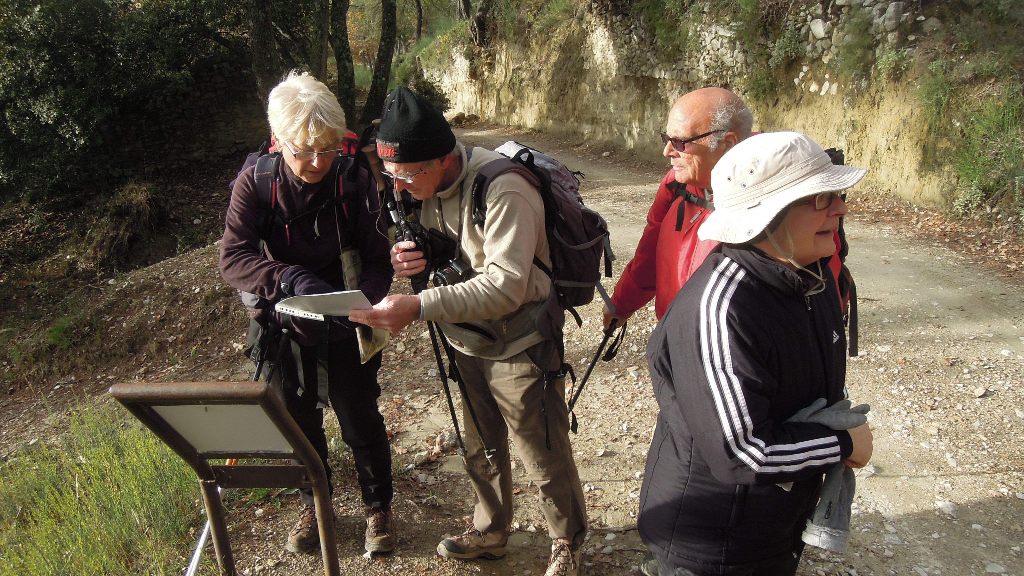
[[452, 272]]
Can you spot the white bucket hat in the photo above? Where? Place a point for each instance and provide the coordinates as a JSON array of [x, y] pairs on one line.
[[756, 179]]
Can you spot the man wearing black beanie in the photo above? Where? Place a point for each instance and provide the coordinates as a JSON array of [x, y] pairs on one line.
[[490, 315]]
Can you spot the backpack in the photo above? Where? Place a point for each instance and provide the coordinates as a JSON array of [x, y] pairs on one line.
[[847, 286], [578, 237]]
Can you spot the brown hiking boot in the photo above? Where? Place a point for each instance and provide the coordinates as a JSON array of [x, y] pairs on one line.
[[380, 531], [473, 544], [305, 535], [565, 560]]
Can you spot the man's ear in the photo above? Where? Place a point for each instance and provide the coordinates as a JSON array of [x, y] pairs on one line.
[[730, 139]]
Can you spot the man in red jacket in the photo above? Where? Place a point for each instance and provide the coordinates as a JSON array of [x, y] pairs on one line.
[[702, 125]]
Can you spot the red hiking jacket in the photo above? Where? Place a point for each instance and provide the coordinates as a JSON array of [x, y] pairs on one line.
[[669, 252]]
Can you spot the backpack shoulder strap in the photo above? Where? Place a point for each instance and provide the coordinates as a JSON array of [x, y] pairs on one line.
[[487, 173], [266, 176], [679, 190], [346, 171]]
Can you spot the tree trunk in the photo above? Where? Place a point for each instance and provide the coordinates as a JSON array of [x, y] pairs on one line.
[[478, 27], [419, 19], [346, 90], [321, 36], [262, 49], [465, 9], [382, 67]]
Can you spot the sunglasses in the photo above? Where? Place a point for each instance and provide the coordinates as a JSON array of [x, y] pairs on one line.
[[307, 155], [823, 200], [407, 178], [679, 144]]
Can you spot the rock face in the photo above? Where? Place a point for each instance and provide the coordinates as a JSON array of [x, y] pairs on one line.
[[599, 76]]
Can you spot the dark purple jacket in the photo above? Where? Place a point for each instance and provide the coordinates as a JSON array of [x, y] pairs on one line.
[[311, 240]]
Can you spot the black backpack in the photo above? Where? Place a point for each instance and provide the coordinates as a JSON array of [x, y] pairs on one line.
[[578, 237]]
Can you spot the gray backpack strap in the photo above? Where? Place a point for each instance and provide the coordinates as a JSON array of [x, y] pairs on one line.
[[487, 173]]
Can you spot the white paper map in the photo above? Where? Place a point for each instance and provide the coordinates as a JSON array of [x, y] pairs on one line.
[[316, 306]]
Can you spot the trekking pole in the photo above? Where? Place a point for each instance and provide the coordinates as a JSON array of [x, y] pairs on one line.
[[447, 389], [259, 354], [573, 424]]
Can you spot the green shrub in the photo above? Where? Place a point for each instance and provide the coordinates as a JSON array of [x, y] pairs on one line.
[[554, 13], [57, 336], [893, 64], [76, 78], [989, 155], [432, 93], [935, 90], [855, 55], [786, 48], [108, 499], [131, 215]]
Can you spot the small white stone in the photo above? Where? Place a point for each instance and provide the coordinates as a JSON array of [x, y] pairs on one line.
[[946, 507], [607, 550], [976, 527], [259, 512], [610, 536], [980, 391], [993, 568]]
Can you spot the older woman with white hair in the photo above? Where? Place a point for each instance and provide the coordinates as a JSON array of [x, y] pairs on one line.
[[753, 338], [290, 219]]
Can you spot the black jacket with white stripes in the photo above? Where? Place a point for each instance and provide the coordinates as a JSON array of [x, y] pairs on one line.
[[738, 352]]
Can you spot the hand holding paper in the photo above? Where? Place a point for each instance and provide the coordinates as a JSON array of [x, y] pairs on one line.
[[393, 313]]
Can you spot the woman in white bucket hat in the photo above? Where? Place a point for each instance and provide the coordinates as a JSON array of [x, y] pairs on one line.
[[755, 336]]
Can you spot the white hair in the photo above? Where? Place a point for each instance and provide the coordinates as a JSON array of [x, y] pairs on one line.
[[730, 116], [303, 111]]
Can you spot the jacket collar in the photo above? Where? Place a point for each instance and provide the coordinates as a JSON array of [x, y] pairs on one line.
[[772, 272], [453, 189]]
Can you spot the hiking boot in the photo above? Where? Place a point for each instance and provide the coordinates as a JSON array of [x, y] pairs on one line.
[[380, 532], [649, 567], [565, 559], [473, 544], [305, 535]]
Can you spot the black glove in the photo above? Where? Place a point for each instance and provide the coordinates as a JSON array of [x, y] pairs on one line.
[[299, 281]]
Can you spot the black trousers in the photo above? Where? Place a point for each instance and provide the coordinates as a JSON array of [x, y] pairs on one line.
[[353, 391]]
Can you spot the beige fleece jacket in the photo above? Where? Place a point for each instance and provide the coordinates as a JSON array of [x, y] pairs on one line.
[[501, 253]]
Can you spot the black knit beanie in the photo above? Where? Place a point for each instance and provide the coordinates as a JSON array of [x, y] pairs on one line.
[[411, 130]]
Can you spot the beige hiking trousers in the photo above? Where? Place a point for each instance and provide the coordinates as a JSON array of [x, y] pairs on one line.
[[506, 396]]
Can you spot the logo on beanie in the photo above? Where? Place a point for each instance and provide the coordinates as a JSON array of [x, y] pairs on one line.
[[387, 149]]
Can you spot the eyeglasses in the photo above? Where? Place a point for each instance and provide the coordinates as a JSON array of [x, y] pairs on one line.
[[307, 155], [823, 200], [679, 144], [407, 178]]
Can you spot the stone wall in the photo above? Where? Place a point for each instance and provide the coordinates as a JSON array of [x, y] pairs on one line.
[[598, 78]]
